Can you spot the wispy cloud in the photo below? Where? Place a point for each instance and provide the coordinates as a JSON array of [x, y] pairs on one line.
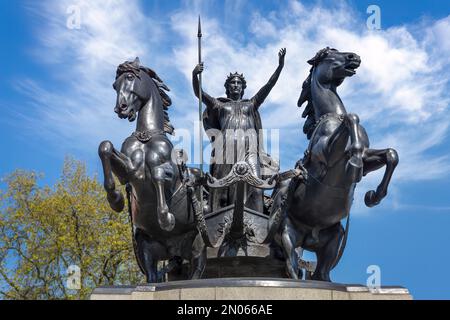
[[77, 104], [400, 91], [397, 93]]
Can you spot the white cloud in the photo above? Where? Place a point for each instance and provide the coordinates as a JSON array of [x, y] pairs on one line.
[[438, 40], [76, 106], [400, 91], [396, 90]]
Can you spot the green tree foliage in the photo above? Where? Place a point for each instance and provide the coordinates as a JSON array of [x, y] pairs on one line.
[[45, 230]]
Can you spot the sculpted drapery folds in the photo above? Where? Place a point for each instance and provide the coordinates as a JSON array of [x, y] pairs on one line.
[[234, 127]]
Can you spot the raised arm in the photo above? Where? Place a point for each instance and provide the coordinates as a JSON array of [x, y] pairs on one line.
[[206, 98], [264, 91]]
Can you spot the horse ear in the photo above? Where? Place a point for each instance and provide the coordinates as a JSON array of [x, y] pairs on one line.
[[319, 56], [137, 62]]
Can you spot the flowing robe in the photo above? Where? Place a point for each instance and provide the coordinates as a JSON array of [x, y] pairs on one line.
[[239, 125]]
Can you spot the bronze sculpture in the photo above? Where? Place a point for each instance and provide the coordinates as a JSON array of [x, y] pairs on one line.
[[160, 191], [228, 115], [233, 125], [165, 197], [309, 207]]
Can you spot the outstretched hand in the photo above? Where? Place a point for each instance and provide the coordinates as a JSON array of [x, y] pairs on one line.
[[281, 56], [198, 69]]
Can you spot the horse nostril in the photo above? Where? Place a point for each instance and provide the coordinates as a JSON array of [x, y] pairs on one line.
[[351, 56], [123, 106]]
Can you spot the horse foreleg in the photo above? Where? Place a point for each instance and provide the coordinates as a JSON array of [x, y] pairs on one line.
[[289, 240], [160, 174], [328, 252], [145, 254], [113, 161], [374, 160], [198, 260], [355, 166]]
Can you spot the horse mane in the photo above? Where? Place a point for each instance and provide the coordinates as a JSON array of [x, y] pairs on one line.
[[135, 68], [305, 96], [167, 102], [308, 113]]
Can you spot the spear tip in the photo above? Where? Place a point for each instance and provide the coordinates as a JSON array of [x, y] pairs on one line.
[[199, 27]]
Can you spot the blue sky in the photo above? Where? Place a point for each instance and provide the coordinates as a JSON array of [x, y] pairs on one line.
[[56, 99]]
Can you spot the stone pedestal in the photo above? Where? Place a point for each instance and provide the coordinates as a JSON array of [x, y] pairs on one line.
[[237, 267], [249, 289]]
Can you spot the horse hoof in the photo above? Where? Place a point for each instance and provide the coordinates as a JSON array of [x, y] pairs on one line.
[[371, 199], [168, 223], [116, 201], [292, 274], [321, 277], [197, 274]]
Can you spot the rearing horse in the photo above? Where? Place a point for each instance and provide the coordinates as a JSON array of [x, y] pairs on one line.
[[309, 207], [160, 201]]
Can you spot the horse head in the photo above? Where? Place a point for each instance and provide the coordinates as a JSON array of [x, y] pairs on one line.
[[331, 66], [329, 70], [136, 86], [132, 87]]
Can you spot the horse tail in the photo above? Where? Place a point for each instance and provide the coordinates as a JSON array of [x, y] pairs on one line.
[[343, 243]]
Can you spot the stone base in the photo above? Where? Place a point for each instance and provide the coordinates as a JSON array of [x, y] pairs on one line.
[[236, 267], [249, 289]]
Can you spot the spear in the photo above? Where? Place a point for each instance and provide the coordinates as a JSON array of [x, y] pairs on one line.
[[200, 102], [200, 107]]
